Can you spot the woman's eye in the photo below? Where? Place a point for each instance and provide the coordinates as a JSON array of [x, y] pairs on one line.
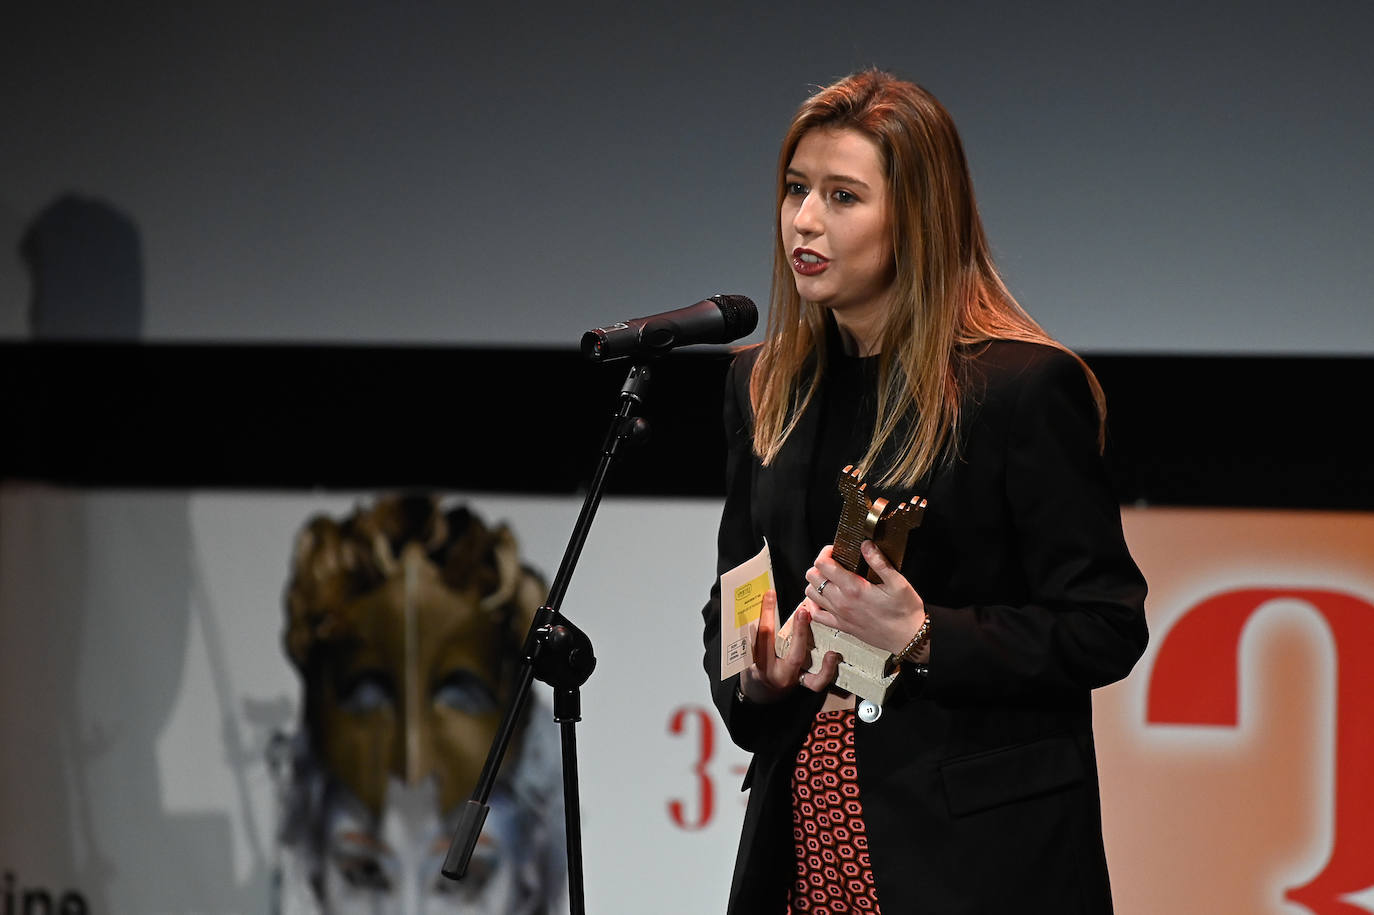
[[796, 190], [844, 197]]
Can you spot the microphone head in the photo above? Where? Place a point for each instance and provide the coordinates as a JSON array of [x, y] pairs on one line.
[[741, 316]]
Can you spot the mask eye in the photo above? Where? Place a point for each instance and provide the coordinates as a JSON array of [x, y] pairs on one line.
[[367, 692], [363, 872], [463, 691]]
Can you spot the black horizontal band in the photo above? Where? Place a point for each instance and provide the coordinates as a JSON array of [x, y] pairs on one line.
[[1278, 432]]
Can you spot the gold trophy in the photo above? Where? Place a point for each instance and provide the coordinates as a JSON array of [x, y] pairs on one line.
[[865, 671]]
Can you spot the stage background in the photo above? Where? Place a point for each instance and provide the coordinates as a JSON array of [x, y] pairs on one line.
[[323, 252], [1156, 176]]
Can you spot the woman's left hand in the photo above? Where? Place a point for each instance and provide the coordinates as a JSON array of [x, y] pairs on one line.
[[884, 615]]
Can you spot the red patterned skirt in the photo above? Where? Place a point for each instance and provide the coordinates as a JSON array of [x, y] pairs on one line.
[[833, 871]]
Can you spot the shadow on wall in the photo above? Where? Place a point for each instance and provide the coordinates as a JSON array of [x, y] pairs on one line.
[[85, 264], [95, 622], [96, 596]]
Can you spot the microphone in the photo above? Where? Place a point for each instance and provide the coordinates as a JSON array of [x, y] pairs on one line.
[[719, 319]]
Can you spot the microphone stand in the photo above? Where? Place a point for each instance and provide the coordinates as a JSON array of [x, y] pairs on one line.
[[557, 653]]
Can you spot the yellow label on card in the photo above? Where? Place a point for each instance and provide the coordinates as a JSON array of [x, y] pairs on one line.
[[749, 599], [741, 604]]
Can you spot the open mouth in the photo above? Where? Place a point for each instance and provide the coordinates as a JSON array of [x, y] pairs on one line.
[[807, 262]]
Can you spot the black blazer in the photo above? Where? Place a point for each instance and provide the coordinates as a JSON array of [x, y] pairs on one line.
[[979, 781]]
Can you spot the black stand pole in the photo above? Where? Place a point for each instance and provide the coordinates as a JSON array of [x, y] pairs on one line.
[[559, 654]]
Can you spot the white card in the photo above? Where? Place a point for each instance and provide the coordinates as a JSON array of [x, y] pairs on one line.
[[741, 602]]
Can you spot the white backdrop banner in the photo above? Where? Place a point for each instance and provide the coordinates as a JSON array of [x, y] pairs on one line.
[[165, 748]]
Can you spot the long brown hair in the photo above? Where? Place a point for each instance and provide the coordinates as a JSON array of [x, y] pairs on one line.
[[947, 294]]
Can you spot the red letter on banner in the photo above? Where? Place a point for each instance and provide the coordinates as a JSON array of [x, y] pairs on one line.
[[705, 749], [1195, 681]]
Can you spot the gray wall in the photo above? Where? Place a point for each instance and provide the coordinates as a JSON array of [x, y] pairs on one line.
[[1156, 177]]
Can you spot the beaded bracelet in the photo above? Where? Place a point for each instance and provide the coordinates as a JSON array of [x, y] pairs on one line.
[[917, 642]]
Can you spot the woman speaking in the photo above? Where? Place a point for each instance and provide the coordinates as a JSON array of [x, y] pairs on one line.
[[894, 346]]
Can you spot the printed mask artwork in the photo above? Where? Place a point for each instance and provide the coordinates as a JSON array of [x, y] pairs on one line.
[[405, 623]]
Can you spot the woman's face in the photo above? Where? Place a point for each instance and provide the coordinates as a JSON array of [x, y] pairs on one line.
[[836, 224]]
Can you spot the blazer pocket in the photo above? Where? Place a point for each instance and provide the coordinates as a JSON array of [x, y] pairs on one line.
[[996, 777]]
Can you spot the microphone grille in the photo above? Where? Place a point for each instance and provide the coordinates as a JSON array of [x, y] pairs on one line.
[[741, 316]]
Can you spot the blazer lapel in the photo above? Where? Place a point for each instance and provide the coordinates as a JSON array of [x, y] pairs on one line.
[[782, 496]]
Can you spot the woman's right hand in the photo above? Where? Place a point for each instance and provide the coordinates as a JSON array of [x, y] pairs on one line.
[[770, 677]]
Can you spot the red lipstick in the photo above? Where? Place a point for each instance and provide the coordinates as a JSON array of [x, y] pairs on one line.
[[811, 265]]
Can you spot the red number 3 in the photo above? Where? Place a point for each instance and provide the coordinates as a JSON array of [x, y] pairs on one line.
[[706, 747]]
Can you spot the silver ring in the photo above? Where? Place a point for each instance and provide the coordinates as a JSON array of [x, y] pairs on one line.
[[821, 589]]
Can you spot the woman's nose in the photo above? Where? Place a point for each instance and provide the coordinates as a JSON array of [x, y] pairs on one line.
[[807, 221]]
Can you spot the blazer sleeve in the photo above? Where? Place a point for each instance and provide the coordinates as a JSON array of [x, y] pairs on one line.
[[750, 725], [1082, 622]]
